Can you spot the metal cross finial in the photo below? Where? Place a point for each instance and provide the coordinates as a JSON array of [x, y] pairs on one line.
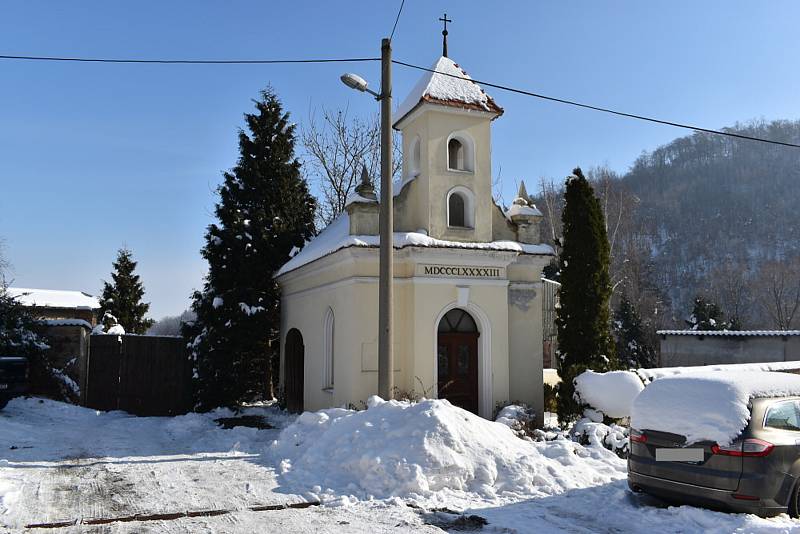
[[444, 34]]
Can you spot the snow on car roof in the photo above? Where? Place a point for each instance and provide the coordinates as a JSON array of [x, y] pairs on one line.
[[337, 236], [54, 298], [711, 406]]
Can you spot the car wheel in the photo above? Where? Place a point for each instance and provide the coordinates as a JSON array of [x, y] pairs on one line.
[[794, 502]]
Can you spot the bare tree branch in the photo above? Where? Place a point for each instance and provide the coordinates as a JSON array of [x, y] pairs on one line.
[[336, 147]]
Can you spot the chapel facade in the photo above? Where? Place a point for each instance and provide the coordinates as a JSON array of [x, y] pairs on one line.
[[467, 275]]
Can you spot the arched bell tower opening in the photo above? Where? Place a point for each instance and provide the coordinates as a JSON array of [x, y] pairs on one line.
[[457, 359]]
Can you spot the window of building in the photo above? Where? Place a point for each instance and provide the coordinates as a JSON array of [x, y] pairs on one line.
[[329, 355], [415, 163], [455, 151], [460, 208], [460, 152], [456, 210]]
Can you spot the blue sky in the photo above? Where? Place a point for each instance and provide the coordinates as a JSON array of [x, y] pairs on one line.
[[96, 156]]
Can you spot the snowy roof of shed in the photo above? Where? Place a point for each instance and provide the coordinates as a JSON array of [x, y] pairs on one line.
[[448, 86], [726, 333], [337, 236], [54, 298]]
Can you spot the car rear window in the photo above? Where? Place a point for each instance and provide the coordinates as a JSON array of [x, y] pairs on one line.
[[783, 415]]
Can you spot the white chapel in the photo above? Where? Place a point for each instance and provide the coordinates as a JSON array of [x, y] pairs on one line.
[[467, 274]]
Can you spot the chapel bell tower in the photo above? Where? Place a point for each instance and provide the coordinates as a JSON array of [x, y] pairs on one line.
[[447, 166]]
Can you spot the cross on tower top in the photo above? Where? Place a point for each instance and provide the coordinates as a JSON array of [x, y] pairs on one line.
[[445, 20]]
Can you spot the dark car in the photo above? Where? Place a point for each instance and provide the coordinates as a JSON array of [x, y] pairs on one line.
[[758, 473], [13, 378]]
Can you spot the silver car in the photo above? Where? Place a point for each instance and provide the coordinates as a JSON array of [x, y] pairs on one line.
[[758, 473]]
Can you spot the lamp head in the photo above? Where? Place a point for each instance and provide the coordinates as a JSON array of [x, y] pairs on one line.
[[354, 81]]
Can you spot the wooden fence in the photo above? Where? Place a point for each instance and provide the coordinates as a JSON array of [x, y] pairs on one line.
[[142, 375]]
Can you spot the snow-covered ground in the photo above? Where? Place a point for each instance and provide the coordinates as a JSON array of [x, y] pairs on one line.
[[387, 469]]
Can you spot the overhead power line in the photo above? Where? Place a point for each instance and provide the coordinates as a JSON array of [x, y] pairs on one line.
[[404, 64], [193, 61], [402, 2], [604, 110]]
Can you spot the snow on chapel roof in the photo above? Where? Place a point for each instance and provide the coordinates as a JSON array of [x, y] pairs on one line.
[[336, 236], [53, 298], [452, 88]]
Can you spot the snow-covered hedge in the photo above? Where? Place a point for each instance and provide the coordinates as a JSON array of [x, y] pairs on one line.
[[707, 406], [609, 393]]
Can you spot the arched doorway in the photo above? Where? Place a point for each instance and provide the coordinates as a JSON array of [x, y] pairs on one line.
[[293, 371], [457, 359]]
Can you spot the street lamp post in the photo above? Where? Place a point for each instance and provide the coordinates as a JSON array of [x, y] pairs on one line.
[[386, 267]]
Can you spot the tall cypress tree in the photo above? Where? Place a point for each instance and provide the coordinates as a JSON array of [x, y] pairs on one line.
[[584, 337], [264, 211], [122, 298]]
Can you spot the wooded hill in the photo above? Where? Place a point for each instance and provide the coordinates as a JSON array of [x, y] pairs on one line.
[[712, 215]]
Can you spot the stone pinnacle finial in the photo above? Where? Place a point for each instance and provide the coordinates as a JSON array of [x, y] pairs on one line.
[[522, 195], [365, 188]]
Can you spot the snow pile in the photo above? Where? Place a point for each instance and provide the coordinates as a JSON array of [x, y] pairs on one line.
[[612, 437], [709, 406], [337, 236], [610, 393], [116, 330], [452, 86], [520, 419], [400, 449]]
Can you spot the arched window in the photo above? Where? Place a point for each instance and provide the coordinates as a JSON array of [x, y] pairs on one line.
[[460, 208], [455, 155], [329, 355], [415, 163], [456, 210], [460, 152]]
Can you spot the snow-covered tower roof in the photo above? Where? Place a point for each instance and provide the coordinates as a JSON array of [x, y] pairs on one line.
[[449, 86]]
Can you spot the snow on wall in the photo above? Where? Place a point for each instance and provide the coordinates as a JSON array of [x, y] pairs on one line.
[[648, 375], [65, 322], [54, 298], [337, 236], [709, 406]]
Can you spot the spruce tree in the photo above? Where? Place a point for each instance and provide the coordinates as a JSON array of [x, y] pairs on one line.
[[123, 297], [633, 351], [264, 211], [706, 315], [584, 337]]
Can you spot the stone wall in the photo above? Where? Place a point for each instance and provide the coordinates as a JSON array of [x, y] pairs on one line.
[[690, 350]]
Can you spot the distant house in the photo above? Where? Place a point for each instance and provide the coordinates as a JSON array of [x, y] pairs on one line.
[[681, 348], [66, 319], [58, 304]]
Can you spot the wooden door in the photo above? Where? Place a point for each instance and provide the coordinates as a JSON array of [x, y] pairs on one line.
[[457, 360], [293, 375]]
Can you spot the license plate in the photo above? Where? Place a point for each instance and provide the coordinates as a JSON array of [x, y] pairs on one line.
[[680, 455], [3, 386]]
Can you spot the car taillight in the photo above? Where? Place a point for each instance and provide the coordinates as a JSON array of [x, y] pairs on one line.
[[748, 447], [637, 437]]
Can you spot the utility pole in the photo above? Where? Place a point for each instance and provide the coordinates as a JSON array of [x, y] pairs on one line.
[[386, 274]]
